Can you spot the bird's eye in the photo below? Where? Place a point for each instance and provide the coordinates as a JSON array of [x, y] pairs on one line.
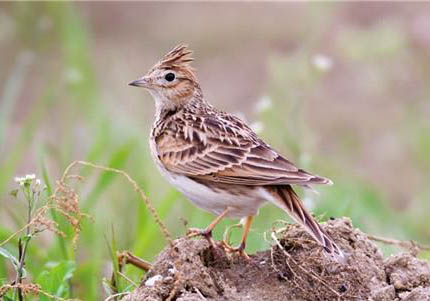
[[169, 77]]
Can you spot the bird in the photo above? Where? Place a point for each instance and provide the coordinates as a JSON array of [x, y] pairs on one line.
[[215, 159]]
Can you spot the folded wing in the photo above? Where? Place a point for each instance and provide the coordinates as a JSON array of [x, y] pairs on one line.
[[221, 148]]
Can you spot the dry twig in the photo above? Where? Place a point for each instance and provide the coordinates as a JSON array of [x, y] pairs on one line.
[[307, 272], [405, 244], [31, 288], [144, 198], [126, 257], [112, 297]]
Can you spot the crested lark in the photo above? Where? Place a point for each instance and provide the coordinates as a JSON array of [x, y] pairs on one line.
[[215, 159]]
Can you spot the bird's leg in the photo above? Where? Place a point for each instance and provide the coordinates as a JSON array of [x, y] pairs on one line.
[[241, 248], [207, 233]]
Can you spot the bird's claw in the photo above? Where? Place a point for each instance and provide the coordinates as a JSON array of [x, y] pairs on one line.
[[207, 234], [240, 250]]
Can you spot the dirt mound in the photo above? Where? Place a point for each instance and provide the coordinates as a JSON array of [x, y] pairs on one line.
[[295, 268]]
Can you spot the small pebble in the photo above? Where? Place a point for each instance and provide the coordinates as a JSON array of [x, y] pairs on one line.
[[343, 288], [151, 281]]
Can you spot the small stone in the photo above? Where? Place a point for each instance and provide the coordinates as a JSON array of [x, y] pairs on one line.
[[151, 281], [387, 293]]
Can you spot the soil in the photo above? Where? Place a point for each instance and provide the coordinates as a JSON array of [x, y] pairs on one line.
[[295, 268]]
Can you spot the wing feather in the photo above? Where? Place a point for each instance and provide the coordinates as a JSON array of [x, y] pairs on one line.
[[221, 148]]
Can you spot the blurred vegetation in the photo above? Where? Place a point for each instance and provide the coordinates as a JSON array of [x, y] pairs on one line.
[[70, 109]]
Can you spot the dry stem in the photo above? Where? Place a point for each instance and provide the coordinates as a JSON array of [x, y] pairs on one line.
[[409, 245], [30, 288], [310, 273], [144, 198], [128, 258]]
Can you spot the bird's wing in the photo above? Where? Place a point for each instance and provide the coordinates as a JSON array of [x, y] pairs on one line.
[[222, 148]]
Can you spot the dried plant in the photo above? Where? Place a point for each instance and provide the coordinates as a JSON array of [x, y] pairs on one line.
[[64, 201]]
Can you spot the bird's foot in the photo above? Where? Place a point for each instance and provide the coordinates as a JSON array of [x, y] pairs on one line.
[[207, 234], [240, 250], [228, 248]]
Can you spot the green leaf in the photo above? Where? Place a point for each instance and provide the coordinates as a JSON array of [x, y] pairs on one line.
[[107, 287], [14, 193], [117, 160], [55, 278], [113, 250], [148, 230], [15, 262]]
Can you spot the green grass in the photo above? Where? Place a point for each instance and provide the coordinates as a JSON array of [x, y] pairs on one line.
[[71, 90]]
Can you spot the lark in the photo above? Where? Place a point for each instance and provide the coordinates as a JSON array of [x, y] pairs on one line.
[[215, 159]]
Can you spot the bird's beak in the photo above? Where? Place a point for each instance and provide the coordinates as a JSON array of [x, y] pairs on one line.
[[140, 82]]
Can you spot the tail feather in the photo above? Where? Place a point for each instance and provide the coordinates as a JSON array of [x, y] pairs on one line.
[[288, 200]]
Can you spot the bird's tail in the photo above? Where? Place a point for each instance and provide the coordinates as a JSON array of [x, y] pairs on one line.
[[289, 201]]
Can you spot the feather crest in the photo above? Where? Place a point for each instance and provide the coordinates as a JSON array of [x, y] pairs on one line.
[[179, 56]]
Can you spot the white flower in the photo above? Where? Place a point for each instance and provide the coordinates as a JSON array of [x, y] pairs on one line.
[[322, 62], [38, 182], [73, 75], [26, 179], [257, 126], [263, 104], [30, 177], [19, 180]]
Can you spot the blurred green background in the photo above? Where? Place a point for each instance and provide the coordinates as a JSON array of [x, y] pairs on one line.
[[342, 89]]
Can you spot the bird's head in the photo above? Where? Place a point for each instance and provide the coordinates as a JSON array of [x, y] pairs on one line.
[[171, 81]]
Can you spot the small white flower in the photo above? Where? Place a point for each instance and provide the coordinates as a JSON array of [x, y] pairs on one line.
[[263, 104], [257, 126], [18, 179], [73, 75], [30, 177], [38, 182], [26, 179], [322, 62]]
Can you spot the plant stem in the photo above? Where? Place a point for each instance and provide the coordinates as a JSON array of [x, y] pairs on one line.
[[23, 248]]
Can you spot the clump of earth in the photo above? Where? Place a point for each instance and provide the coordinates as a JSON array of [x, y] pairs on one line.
[[294, 268]]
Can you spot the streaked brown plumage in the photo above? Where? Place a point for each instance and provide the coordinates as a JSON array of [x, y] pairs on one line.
[[215, 158]]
